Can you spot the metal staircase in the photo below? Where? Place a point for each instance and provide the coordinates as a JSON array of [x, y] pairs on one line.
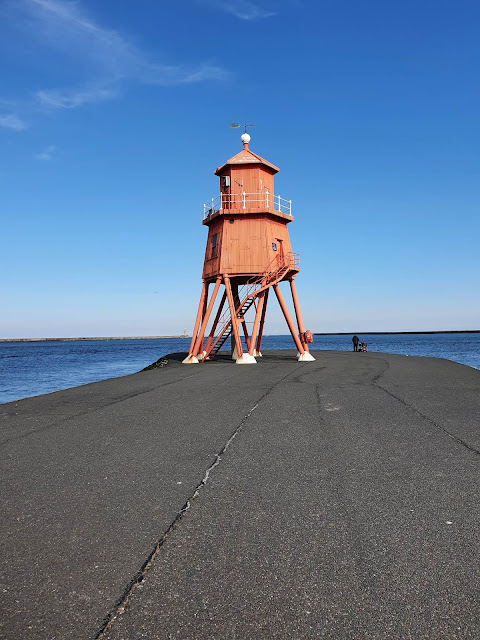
[[247, 295]]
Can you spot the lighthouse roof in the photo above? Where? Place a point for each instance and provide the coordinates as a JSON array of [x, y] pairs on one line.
[[247, 157]]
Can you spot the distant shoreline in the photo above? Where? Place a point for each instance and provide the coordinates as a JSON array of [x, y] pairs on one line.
[[348, 333], [96, 338], [397, 333]]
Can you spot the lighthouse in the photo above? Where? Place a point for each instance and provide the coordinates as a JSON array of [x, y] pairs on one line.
[[248, 253]]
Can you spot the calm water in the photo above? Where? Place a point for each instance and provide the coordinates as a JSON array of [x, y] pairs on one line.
[[32, 368]]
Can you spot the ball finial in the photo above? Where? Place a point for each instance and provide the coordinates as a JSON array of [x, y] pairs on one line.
[[245, 138]]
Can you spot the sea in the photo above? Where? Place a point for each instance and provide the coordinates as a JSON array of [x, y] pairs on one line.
[[34, 368]]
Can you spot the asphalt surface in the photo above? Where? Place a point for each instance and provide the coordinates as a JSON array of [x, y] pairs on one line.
[[336, 499]]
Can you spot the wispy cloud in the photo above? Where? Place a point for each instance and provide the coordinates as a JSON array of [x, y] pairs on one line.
[[243, 9], [71, 98], [105, 61], [12, 121], [47, 153]]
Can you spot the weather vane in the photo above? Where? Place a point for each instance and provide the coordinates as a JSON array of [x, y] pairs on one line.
[[237, 125]]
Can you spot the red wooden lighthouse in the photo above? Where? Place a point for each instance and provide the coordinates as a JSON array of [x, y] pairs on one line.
[[248, 252]]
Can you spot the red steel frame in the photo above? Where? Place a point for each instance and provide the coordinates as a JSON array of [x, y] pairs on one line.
[[233, 316], [298, 313], [259, 297]]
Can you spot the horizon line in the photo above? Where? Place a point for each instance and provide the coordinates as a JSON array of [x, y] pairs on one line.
[[315, 333]]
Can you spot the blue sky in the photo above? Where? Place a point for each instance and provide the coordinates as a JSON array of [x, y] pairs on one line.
[[114, 115]]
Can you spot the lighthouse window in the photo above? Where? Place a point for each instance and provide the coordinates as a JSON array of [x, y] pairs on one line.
[[214, 245], [274, 246]]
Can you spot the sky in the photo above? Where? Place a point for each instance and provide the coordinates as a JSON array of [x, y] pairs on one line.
[[114, 115]]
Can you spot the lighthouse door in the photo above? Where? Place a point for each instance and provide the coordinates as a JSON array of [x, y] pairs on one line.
[[280, 255]]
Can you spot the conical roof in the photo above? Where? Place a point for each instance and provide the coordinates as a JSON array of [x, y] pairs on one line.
[[247, 157]]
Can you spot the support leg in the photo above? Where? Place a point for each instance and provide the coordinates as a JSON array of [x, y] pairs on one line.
[[233, 348], [262, 322], [190, 359], [199, 343], [204, 308], [298, 313], [242, 358], [215, 323], [256, 322], [245, 333], [304, 356]]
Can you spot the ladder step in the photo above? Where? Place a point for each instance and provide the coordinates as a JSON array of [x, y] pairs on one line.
[[219, 344]]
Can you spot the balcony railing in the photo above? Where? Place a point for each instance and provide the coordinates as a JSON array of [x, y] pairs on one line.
[[240, 201]]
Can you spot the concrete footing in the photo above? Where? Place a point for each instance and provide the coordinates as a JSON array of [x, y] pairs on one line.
[[306, 357], [246, 358]]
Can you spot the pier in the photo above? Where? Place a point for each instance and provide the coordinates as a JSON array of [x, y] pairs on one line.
[[335, 499]]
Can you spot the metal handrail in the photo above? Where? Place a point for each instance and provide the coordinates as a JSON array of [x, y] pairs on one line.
[[245, 200], [289, 261]]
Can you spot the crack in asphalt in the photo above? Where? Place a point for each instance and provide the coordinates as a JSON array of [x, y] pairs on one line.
[[435, 424], [119, 607], [422, 415]]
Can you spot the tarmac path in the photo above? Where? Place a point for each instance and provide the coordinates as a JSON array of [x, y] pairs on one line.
[[336, 499]]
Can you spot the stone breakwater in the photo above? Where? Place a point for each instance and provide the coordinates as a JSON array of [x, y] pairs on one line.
[[332, 499]]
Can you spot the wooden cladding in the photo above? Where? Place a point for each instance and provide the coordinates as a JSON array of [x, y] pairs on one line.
[[245, 246], [248, 179], [247, 232]]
